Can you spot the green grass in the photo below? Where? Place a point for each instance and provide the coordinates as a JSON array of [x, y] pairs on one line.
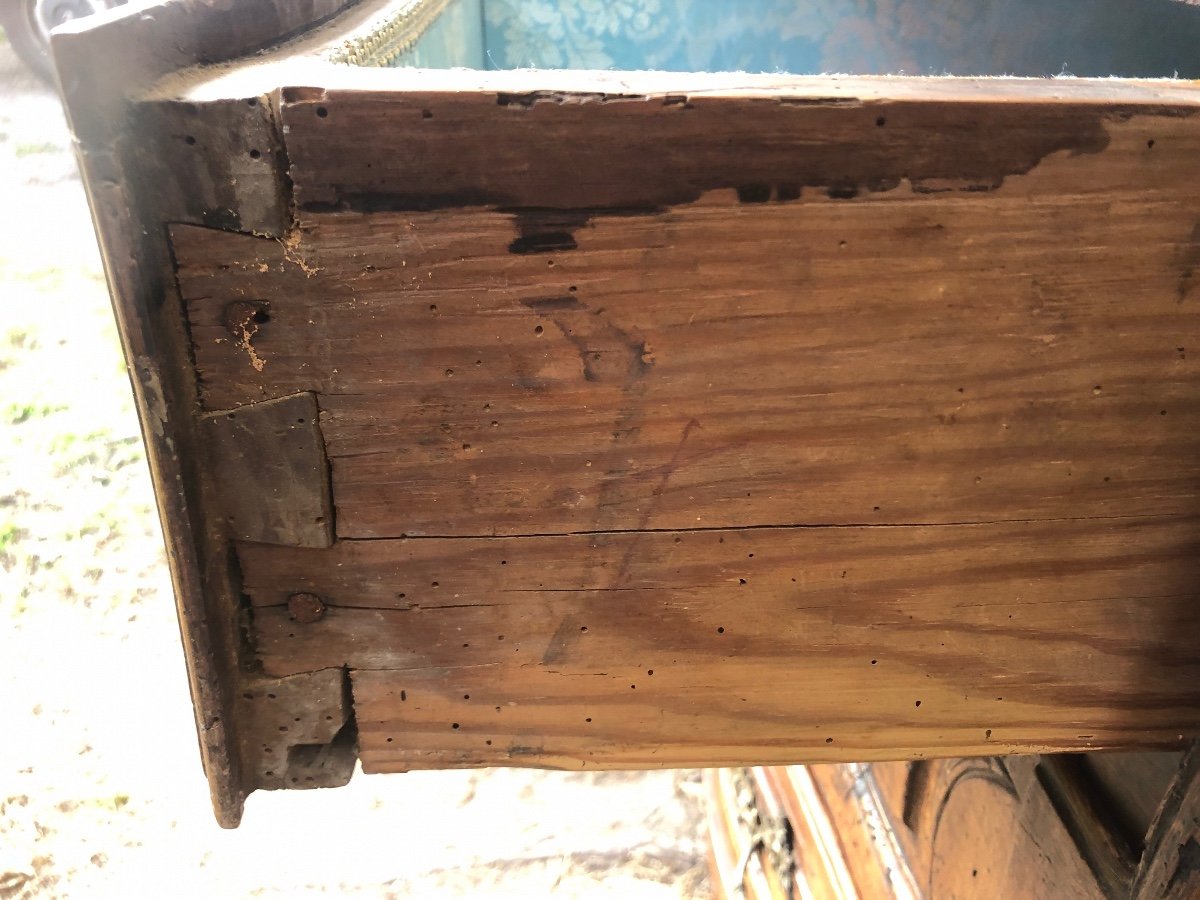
[[23, 150], [9, 533], [16, 413], [21, 339]]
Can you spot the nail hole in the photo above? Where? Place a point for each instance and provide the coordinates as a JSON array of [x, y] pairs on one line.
[[1150, 144], [583, 628], [189, 140], [322, 112], [918, 703], [262, 317], [254, 154], [538, 330], [721, 630], [880, 122], [426, 114], [454, 725], [829, 740]]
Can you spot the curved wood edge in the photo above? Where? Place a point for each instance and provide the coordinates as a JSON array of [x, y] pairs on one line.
[[739, 869], [1170, 866], [103, 62]]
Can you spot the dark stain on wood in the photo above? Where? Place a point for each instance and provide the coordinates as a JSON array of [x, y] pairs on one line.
[[1191, 261], [546, 230], [743, 144], [607, 353], [268, 465]]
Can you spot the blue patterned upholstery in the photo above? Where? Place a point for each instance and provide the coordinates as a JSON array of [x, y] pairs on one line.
[[960, 37], [916, 37]]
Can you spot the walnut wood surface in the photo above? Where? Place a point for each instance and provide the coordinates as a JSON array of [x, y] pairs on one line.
[[1033, 826]]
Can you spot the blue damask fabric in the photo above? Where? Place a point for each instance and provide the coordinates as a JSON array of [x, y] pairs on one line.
[[1157, 38]]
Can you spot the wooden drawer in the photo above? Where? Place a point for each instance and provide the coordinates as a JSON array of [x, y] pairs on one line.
[[637, 419]]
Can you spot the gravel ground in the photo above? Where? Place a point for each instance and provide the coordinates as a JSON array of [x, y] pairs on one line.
[[101, 793]]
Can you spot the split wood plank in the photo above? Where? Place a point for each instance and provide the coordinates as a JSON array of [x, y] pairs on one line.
[[897, 358], [748, 645]]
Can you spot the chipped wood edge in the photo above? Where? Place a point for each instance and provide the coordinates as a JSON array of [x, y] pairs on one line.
[[102, 61], [1169, 866]]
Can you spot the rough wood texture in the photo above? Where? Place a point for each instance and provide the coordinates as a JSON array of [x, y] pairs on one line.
[[765, 644], [1171, 865], [299, 731], [898, 358], [879, 444], [103, 61], [233, 156], [1038, 826], [820, 858], [922, 348], [612, 151], [1134, 785], [269, 466]]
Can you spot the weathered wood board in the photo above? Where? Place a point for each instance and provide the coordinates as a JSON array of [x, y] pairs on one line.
[[647, 419], [706, 441]]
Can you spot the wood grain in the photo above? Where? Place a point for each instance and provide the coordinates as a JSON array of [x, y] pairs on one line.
[[1171, 864], [674, 430], [618, 149], [897, 358], [269, 464], [764, 645], [1031, 826], [103, 62]]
